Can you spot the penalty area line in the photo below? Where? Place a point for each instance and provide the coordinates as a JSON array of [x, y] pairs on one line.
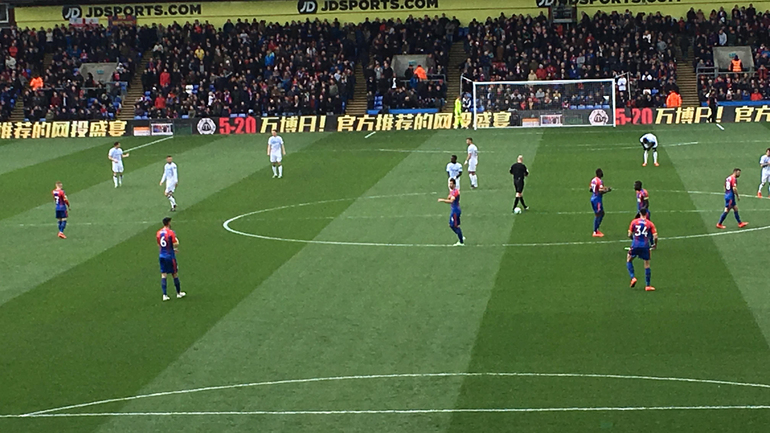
[[149, 144], [370, 134]]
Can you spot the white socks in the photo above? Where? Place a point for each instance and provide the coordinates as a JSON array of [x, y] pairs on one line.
[[120, 180], [474, 180], [280, 171], [761, 185], [654, 156], [115, 181], [171, 199], [275, 171]]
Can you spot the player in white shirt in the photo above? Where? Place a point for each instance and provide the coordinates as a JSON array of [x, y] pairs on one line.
[[764, 162], [454, 170], [650, 142], [472, 160], [276, 151], [116, 155], [171, 177]]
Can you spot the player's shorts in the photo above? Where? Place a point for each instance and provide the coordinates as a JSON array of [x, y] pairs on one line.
[[275, 157], [519, 185], [454, 219], [472, 165], [167, 266], [729, 201], [596, 204], [654, 147], [642, 253], [61, 214], [117, 167], [170, 187], [765, 177]]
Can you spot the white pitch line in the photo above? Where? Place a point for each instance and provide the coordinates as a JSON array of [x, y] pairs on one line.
[[431, 151], [720, 127], [471, 214], [590, 146], [376, 217], [370, 134], [394, 411], [388, 376], [149, 144], [92, 223]]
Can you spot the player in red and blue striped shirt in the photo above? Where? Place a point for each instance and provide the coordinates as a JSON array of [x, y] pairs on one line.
[[642, 199], [454, 216], [62, 208], [168, 243], [731, 195], [644, 236]]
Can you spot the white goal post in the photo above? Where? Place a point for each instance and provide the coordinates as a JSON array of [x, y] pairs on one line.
[[554, 103]]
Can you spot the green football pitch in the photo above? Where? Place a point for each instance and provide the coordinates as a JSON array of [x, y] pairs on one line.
[[332, 300]]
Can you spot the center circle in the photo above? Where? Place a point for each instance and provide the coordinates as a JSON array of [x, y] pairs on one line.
[[227, 226]]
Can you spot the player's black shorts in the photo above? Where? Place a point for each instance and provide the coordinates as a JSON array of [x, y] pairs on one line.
[[519, 185]]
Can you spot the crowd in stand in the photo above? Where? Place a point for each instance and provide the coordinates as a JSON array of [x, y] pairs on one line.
[[418, 85], [259, 68], [307, 67], [61, 92], [742, 26], [520, 48], [20, 53]]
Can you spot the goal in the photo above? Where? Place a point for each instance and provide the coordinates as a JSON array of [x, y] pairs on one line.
[[554, 103]]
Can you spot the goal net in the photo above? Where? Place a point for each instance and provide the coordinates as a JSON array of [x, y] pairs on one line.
[[543, 103]]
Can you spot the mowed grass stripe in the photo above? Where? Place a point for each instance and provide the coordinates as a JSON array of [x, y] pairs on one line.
[[17, 154], [31, 186], [569, 309], [103, 216], [118, 335], [336, 310], [745, 256]]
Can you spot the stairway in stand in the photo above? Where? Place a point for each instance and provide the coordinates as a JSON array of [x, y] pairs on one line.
[[687, 81], [135, 90], [456, 56], [17, 115], [357, 106]]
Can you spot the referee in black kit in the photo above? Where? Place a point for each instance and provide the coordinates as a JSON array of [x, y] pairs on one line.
[[519, 172]]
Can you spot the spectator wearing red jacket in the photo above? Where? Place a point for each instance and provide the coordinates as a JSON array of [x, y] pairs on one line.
[[165, 78], [160, 102]]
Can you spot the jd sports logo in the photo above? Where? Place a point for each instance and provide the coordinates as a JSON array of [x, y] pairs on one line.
[[307, 6], [70, 12]]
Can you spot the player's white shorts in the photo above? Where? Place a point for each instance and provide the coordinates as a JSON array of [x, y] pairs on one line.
[[275, 157], [170, 187], [117, 167], [765, 177], [472, 165], [654, 147]]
